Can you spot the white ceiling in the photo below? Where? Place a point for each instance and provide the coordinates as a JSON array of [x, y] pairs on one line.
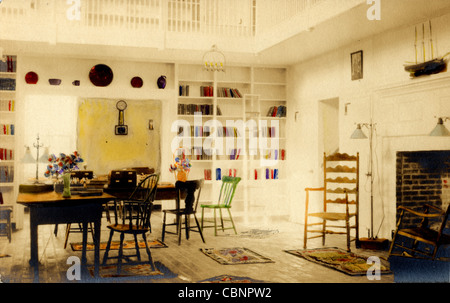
[[339, 31]]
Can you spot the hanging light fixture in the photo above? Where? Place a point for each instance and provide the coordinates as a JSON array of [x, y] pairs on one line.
[[214, 60], [440, 130]]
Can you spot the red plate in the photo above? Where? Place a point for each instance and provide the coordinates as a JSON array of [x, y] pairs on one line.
[[101, 75], [31, 78], [137, 82]]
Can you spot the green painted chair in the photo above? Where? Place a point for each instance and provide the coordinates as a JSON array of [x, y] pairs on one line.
[[227, 191]]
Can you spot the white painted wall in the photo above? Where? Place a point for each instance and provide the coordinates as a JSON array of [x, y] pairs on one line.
[[403, 109]]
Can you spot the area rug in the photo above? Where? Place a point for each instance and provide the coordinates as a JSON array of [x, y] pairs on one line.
[[134, 271], [115, 245], [338, 259], [230, 279], [235, 255]]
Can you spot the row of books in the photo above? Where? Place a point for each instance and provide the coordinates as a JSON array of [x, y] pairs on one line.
[[228, 92], [183, 90], [7, 84], [274, 154], [204, 131], [277, 111], [6, 129], [206, 91], [6, 173], [9, 66], [7, 105], [190, 109], [270, 174], [268, 132], [6, 154], [231, 172], [198, 153]]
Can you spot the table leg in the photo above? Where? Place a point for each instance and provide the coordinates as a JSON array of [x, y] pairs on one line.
[[34, 257], [97, 227], [83, 254]]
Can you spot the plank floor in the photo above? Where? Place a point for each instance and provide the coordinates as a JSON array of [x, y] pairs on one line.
[[186, 261]]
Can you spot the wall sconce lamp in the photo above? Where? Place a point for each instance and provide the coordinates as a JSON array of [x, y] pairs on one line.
[[440, 130], [28, 158], [150, 125]]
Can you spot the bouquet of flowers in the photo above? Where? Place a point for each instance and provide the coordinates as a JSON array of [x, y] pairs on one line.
[[62, 164], [180, 167]]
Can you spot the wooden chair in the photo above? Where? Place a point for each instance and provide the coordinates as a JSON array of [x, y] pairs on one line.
[[340, 181], [5, 220], [135, 220], [190, 208], [227, 191], [431, 238]]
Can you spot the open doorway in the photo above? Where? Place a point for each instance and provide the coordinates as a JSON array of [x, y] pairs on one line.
[[328, 127]]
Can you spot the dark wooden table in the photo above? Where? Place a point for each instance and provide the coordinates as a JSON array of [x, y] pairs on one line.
[[164, 191], [52, 208]]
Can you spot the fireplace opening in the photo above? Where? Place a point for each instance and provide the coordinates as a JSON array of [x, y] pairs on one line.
[[422, 178]]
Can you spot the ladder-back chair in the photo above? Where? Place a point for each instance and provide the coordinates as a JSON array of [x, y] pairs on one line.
[[340, 199], [227, 191]]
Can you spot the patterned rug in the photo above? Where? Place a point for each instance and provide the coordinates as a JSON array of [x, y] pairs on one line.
[[230, 279], [78, 246], [235, 255], [343, 261], [135, 271]]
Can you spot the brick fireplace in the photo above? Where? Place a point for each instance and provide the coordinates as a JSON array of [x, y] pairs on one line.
[[422, 177]]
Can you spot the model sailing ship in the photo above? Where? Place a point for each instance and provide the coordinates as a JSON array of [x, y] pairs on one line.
[[433, 66]]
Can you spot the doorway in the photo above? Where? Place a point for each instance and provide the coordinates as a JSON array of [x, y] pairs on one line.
[[328, 127]]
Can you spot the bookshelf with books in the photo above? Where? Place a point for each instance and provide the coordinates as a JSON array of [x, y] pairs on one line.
[[223, 99], [8, 79]]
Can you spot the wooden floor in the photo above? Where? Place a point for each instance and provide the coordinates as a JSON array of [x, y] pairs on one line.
[[186, 261]]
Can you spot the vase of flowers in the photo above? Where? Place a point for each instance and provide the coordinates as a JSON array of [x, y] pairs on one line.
[[181, 167], [62, 166]]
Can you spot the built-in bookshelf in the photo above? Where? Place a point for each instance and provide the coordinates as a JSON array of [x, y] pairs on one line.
[[8, 68], [222, 138]]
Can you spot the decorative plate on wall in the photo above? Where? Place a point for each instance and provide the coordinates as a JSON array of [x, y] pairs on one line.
[[101, 75], [137, 82], [31, 78]]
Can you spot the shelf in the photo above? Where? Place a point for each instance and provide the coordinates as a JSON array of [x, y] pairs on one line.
[[7, 184], [257, 91]]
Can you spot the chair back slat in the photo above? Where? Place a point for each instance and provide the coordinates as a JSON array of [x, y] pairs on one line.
[[140, 203], [227, 190]]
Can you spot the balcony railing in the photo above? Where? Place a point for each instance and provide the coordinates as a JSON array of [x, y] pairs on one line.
[[147, 22]]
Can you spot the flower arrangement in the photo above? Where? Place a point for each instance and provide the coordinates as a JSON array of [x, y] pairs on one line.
[[180, 167], [62, 164]]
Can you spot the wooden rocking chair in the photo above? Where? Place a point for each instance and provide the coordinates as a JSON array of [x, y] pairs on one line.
[[431, 238]]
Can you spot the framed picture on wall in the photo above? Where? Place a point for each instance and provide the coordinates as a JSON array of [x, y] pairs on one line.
[[357, 65]]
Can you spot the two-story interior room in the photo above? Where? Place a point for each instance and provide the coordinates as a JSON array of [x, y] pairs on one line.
[[252, 98]]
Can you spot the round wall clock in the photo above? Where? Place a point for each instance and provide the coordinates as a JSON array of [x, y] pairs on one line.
[[121, 105], [101, 75]]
